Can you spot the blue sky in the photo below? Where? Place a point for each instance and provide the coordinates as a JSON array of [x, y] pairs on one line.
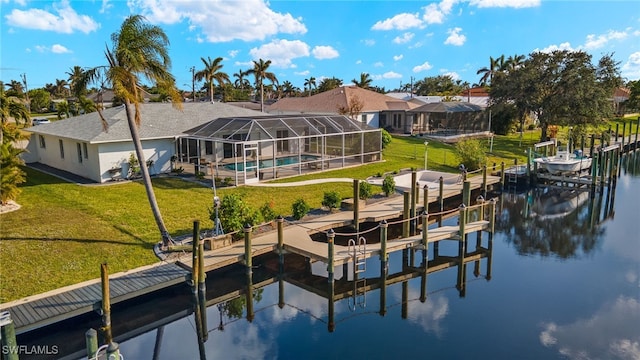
[[393, 41]]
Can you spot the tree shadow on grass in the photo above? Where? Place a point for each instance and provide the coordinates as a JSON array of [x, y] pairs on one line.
[[86, 241]]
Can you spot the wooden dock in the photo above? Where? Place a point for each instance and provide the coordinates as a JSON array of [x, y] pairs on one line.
[[297, 236], [37, 311]]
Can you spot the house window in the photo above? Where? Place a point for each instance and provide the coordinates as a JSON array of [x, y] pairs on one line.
[[43, 145], [208, 147], [61, 148], [364, 118], [84, 148], [383, 120], [79, 149]]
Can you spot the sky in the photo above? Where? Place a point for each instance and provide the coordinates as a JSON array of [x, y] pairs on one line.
[[395, 42]]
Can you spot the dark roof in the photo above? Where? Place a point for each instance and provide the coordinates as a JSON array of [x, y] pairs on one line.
[[447, 107]]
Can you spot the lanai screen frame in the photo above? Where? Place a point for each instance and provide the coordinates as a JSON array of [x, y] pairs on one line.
[[295, 144]]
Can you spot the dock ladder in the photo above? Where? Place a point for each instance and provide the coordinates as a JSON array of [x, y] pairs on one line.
[[358, 253]]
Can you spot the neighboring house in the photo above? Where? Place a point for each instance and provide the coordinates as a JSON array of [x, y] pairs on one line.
[[620, 95], [366, 106], [81, 146], [450, 117], [477, 96]]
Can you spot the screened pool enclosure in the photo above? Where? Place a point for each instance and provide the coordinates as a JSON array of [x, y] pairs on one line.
[[250, 149]]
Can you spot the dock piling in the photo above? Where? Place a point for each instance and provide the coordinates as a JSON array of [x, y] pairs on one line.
[[91, 339], [8, 336], [383, 241], [113, 350], [356, 205], [248, 261], [405, 215], [330, 266]]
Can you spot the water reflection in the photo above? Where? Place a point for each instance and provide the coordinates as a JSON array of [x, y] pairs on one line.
[[556, 222]]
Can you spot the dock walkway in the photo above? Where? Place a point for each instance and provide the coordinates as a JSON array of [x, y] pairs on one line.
[[297, 236], [40, 310]]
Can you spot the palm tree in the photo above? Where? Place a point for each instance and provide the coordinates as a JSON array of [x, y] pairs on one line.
[[241, 82], [212, 72], [13, 108], [63, 108], [514, 62], [15, 88], [139, 50], [61, 88], [260, 72], [310, 83], [365, 81], [77, 81], [329, 83], [495, 65], [288, 89]]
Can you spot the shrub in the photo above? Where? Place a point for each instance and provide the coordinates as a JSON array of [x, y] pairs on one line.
[[366, 190], [471, 153], [234, 214], [386, 138], [200, 175], [300, 208], [268, 214], [388, 185], [331, 200]]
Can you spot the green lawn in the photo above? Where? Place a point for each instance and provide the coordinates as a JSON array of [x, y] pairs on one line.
[[63, 231]]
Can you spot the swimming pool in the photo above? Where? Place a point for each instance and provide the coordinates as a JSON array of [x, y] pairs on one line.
[[268, 163]]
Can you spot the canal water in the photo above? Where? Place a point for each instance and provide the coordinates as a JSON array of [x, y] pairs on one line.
[[559, 280]]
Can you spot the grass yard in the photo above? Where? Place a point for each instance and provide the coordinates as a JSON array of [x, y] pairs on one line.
[[63, 232]]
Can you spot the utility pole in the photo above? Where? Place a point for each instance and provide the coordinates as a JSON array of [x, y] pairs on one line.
[[193, 83]]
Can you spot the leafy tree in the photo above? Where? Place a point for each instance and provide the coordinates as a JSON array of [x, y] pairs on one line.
[[633, 103], [441, 85], [388, 185], [260, 72], [14, 88], [331, 199], [11, 175], [40, 99], [472, 153], [299, 208], [559, 88], [212, 71], [139, 50], [267, 212], [329, 83], [364, 82]]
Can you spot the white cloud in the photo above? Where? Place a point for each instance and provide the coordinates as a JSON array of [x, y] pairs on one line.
[[631, 68], [378, 64], [40, 48], [424, 67], [391, 75], [454, 75], [106, 5], [399, 22], [369, 42], [59, 49], [595, 42], [358, 62], [281, 52], [302, 73], [233, 53], [398, 57], [405, 38], [455, 38], [219, 20], [551, 48], [505, 3], [435, 13], [324, 52], [612, 332], [65, 20]]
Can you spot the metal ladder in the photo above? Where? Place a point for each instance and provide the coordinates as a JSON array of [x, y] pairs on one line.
[[358, 252]]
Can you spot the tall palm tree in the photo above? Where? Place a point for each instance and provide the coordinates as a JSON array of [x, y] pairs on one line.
[[13, 108], [260, 72], [212, 72], [62, 88], [514, 62], [139, 51], [364, 82], [15, 88], [287, 88], [310, 83], [495, 65]]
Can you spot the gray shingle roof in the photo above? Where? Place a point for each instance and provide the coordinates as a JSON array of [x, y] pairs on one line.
[[448, 107], [159, 120]]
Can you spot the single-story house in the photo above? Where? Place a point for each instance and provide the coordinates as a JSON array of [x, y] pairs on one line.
[[450, 118], [81, 146], [369, 107]]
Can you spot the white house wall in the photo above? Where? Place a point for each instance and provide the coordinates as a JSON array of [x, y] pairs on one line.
[[50, 155], [116, 155]]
